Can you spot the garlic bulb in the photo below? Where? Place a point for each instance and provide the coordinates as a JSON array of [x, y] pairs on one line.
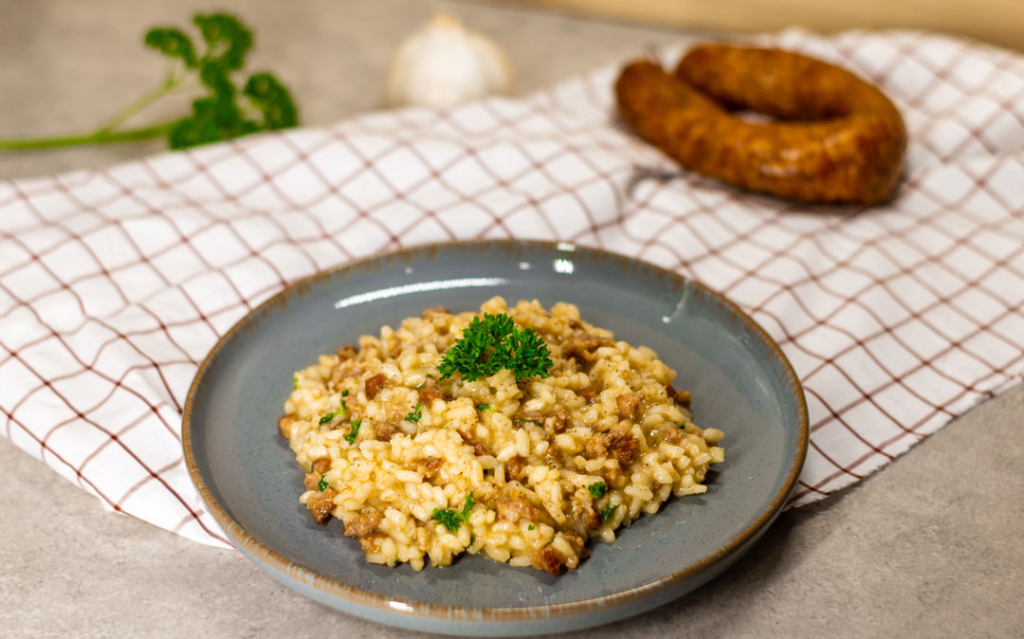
[[443, 64]]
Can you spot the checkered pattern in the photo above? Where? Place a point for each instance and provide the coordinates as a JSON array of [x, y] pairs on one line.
[[115, 283]]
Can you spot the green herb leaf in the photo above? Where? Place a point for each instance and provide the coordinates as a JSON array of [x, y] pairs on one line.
[[493, 343], [484, 407], [273, 100], [416, 415], [598, 489], [448, 517], [326, 418], [296, 380], [323, 483], [344, 408], [453, 519], [222, 111], [353, 432], [530, 527], [227, 39], [173, 43], [344, 393], [607, 512]]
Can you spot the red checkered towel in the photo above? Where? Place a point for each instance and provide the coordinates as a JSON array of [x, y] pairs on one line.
[[115, 283]]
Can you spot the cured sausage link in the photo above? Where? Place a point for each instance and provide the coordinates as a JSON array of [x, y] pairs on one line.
[[849, 148]]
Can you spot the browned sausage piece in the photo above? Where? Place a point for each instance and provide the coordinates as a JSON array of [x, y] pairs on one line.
[[429, 394], [623, 447], [374, 384], [346, 352], [384, 432], [513, 508], [311, 481], [321, 466], [321, 506], [284, 427], [547, 559], [345, 371], [515, 468], [364, 524], [838, 139], [582, 346], [627, 403]]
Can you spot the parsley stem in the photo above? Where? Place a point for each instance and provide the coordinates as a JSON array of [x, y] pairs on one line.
[[168, 85], [96, 137]]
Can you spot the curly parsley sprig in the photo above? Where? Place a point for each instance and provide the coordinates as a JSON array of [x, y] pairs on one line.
[[220, 112], [453, 519], [493, 343]]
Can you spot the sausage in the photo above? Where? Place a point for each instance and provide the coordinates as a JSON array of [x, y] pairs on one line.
[[627, 403], [429, 393], [837, 138], [374, 384], [321, 506], [344, 372], [364, 524], [284, 427], [547, 559], [515, 468], [346, 352], [385, 431]]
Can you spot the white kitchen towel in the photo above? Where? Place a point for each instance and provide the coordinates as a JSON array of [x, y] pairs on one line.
[[115, 283]]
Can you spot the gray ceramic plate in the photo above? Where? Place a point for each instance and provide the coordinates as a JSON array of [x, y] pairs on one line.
[[741, 382]]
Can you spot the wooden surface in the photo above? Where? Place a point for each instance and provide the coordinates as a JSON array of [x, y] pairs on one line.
[[996, 21]]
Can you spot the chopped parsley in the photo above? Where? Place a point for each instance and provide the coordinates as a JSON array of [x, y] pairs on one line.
[[296, 380], [493, 343], [353, 432], [598, 489], [607, 512], [344, 393], [416, 415], [453, 519], [326, 418], [323, 483], [484, 407], [530, 527]]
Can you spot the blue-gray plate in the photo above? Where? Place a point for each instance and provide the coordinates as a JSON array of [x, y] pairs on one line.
[[741, 383]]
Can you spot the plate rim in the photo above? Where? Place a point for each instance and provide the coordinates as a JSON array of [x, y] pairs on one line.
[[456, 613]]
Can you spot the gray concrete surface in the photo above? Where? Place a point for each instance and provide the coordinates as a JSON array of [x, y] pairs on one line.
[[929, 547]]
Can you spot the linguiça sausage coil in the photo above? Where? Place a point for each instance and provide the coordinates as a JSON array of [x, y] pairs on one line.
[[836, 138]]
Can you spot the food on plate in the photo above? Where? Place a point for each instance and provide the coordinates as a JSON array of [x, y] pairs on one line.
[[835, 137], [516, 433]]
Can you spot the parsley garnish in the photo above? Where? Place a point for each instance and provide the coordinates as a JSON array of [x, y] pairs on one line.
[[326, 418], [530, 527], [224, 105], [323, 483], [598, 489], [353, 432], [494, 343], [453, 519], [607, 512], [296, 380], [416, 415], [484, 407], [344, 393]]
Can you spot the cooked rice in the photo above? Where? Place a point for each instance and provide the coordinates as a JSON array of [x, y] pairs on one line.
[[528, 452]]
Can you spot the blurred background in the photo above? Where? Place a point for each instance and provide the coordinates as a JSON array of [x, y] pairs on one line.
[[67, 65]]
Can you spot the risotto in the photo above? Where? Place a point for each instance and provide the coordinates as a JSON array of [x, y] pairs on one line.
[[416, 465]]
